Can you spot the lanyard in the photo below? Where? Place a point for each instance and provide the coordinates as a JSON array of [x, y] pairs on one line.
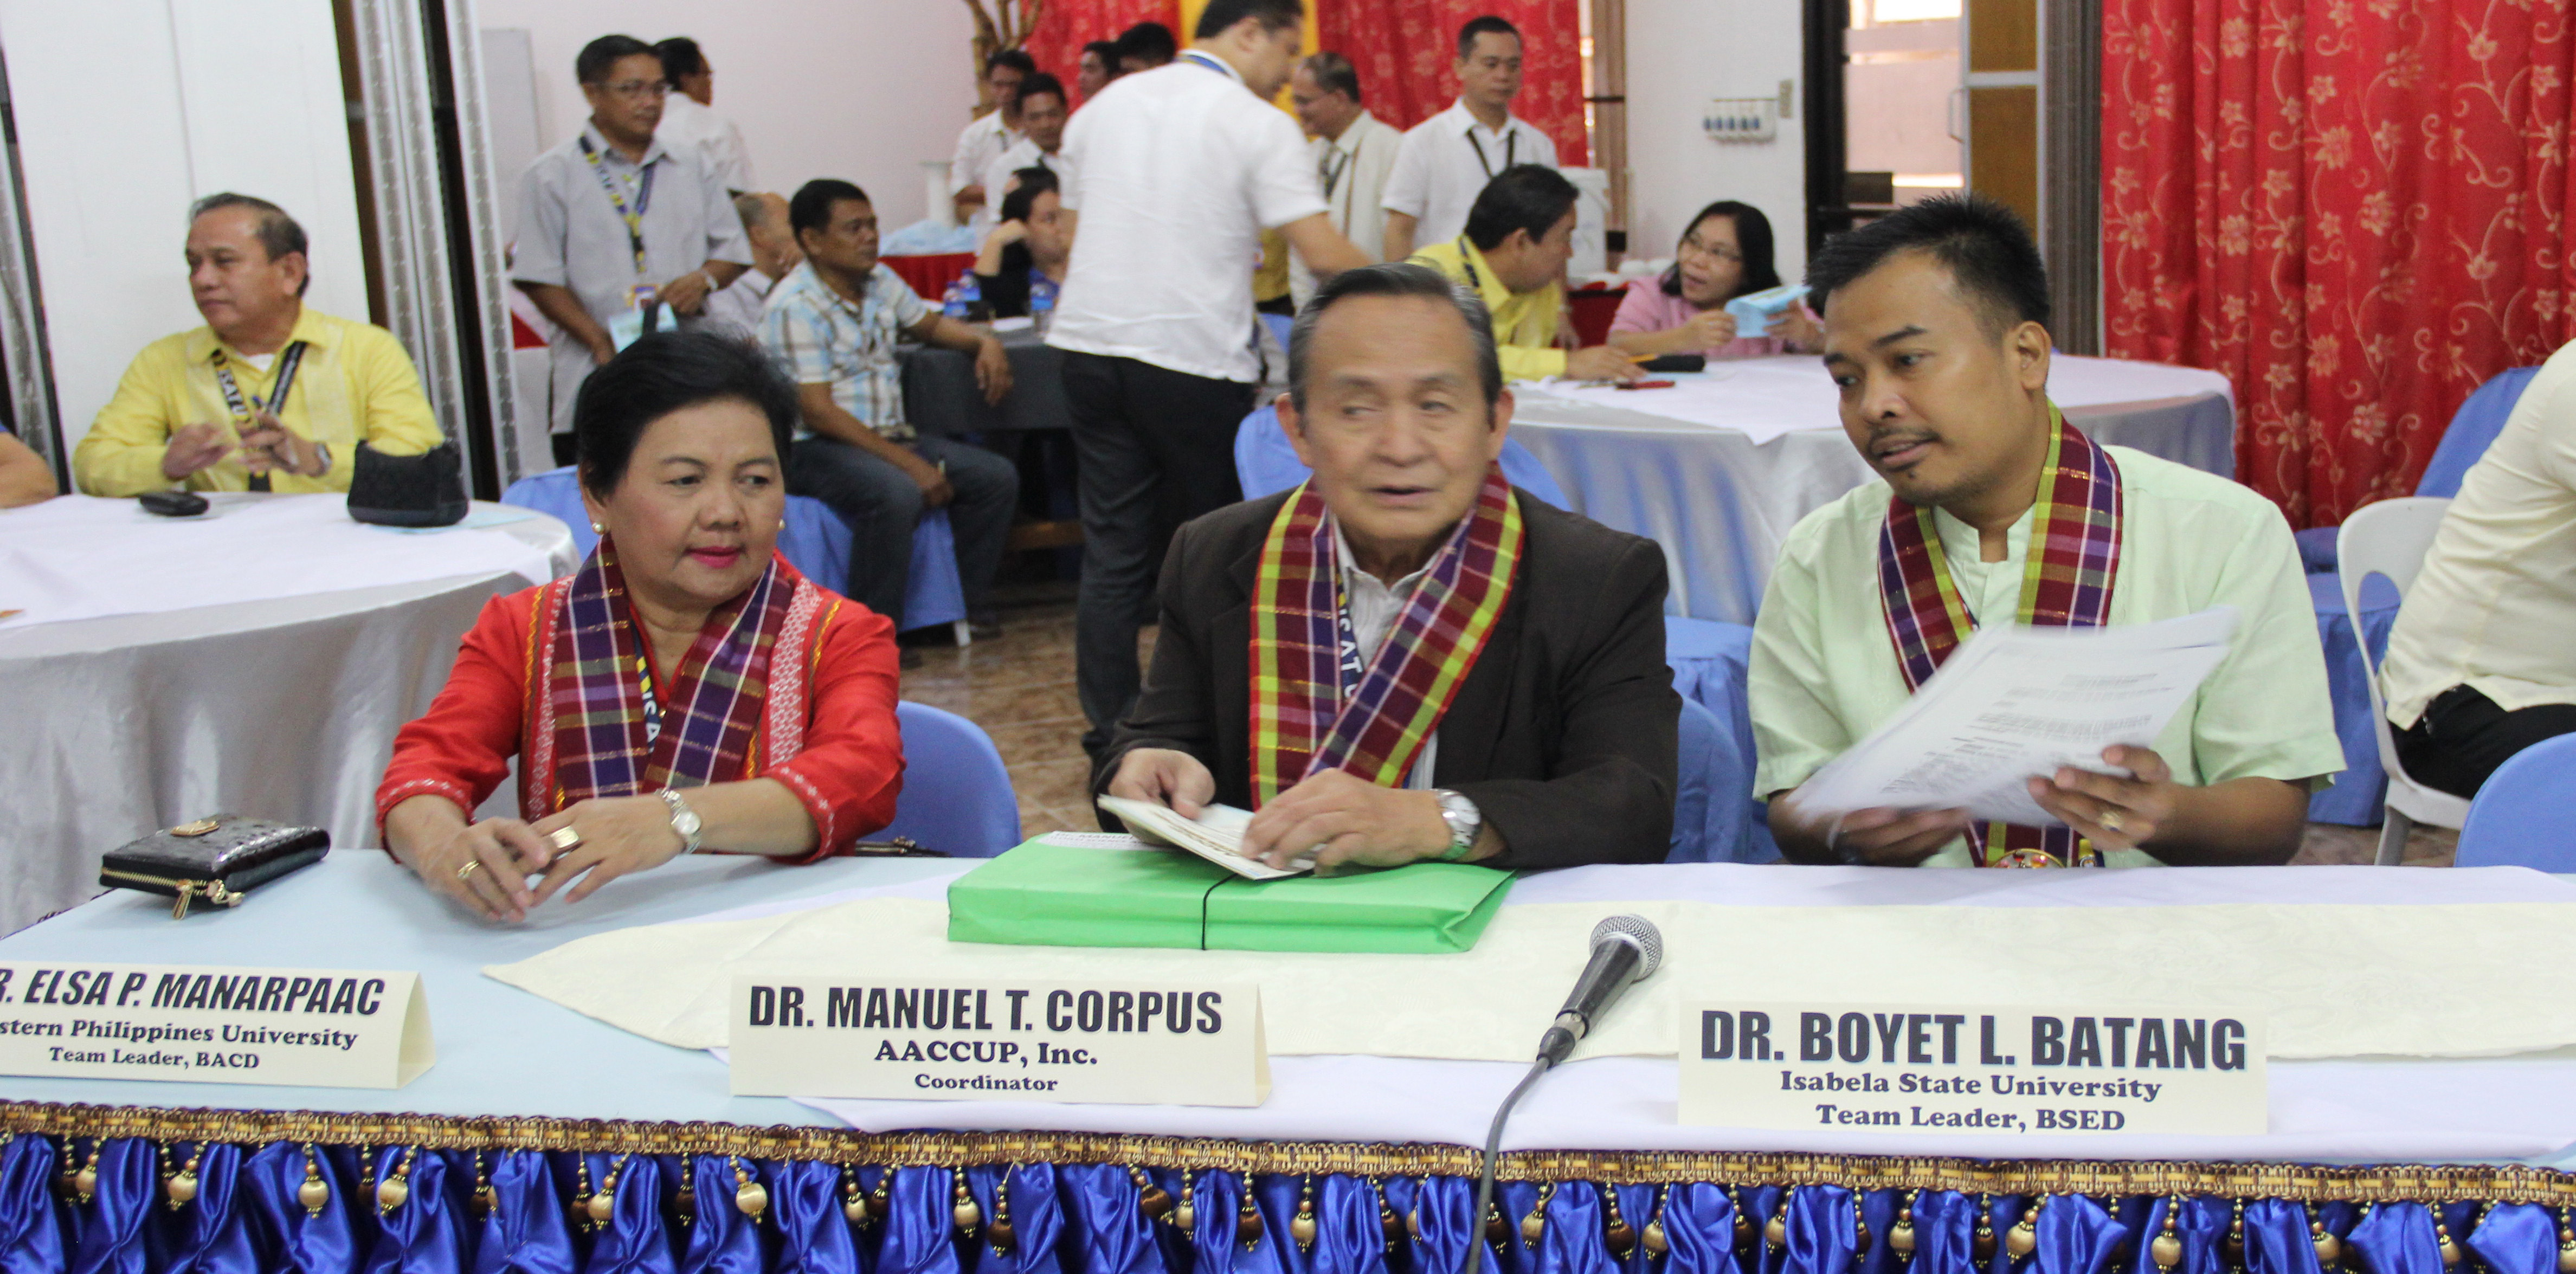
[[1511, 148], [652, 701], [1475, 277], [1210, 63], [1336, 161], [634, 217], [246, 411]]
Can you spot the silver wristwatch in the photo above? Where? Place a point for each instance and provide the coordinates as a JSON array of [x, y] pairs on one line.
[[1464, 821], [684, 820]]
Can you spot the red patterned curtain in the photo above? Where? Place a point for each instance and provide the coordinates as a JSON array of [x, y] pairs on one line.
[[1405, 49], [2356, 209], [1064, 26]]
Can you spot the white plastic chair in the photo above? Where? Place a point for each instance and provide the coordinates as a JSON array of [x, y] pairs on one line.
[[2389, 538]]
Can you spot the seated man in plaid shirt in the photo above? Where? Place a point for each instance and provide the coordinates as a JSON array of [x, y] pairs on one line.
[[834, 322]]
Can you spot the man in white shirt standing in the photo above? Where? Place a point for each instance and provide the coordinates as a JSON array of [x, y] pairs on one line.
[[998, 130], [1353, 149], [1042, 109], [1178, 171], [2480, 665], [1446, 160], [774, 253], [687, 123]]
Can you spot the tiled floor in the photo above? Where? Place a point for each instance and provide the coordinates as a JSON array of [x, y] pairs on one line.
[[1019, 687]]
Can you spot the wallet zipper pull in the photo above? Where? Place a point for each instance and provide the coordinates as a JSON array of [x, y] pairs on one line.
[[187, 894]]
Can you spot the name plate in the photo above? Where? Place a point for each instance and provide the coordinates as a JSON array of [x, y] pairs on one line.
[[826, 1035], [312, 1028], [1955, 1069]]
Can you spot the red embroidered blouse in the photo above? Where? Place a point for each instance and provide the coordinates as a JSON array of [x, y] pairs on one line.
[[847, 776]]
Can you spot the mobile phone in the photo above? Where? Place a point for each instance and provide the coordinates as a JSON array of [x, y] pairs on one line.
[[173, 504]]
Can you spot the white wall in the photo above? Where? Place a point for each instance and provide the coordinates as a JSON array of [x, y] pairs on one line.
[[129, 109], [859, 89], [1680, 54]]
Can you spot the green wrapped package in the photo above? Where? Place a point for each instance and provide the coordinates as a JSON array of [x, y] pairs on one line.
[[1045, 894]]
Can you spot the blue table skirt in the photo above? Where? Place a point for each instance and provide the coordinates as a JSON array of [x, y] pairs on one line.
[[438, 1196]]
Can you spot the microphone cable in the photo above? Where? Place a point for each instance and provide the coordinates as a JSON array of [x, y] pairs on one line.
[[1485, 1172]]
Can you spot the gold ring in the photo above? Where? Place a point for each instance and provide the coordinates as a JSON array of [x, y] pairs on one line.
[[472, 865], [2111, 821], [563, 839]]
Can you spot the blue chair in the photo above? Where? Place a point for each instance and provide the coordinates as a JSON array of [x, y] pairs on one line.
[[1265, 463], [2356, 798], [815, 541], [2519, 818], [957, 796], [1714, 805], [2473, 429]]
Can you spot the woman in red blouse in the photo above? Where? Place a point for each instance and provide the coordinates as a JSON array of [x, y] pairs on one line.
[[685, 689]]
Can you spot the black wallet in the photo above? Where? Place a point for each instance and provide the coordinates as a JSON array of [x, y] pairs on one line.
[[217, 860]]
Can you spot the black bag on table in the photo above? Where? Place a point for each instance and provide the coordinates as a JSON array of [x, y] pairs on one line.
[[423, 490]]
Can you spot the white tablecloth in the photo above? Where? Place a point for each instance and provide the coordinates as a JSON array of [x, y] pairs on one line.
[[280, 702], [2520, 1107], [82, 557], [359, 910], [1763, 446]]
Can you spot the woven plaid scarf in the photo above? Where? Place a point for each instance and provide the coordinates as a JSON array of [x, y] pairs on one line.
[[590, 718], [2073, 558], [1302, 722]]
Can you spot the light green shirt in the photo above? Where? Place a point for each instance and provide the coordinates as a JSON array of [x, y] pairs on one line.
[[1824, 673]]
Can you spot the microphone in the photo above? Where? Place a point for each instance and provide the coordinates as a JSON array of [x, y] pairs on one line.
[[1625, 949]]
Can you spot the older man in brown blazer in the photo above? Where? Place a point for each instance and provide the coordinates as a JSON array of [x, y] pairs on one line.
[[1406, 659]]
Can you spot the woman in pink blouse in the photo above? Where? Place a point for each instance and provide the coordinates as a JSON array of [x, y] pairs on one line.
[[1726, 253]]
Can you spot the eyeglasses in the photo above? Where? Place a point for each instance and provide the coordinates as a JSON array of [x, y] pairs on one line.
[[634, 89], [1720, 253]]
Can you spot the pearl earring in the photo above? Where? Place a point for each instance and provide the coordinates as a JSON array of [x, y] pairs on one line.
[[597, 529]]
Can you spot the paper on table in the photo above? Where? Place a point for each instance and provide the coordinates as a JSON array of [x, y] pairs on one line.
[[1215, 835], [2013, 702]]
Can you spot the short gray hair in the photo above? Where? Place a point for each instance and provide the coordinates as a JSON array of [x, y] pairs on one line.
[[1334, 74], [1394, 279]]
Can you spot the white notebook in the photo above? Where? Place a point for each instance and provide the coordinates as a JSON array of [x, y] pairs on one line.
[[1215, 835]]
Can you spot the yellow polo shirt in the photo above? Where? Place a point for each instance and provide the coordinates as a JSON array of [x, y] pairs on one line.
[[1524, 322], [355, 384]]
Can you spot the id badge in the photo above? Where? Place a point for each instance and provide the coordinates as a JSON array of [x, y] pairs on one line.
[[625, 329], [641, 295]]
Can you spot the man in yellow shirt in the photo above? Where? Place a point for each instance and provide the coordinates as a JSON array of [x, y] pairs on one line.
[[1512, 255], [269, 395]]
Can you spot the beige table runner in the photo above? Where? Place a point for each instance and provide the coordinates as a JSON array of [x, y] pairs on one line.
[[2339, 981]]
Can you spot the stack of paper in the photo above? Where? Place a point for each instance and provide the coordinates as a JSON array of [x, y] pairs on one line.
[[1215, 835], [2013, 703]]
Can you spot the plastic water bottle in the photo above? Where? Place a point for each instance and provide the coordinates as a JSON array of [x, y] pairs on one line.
[[972, 294], [1041, 301], [953, 302]]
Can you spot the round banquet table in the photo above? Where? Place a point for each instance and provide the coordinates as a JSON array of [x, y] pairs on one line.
[[137, 697], [1718, 469]]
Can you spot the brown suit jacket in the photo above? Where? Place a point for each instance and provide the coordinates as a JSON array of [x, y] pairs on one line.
[[1562, 734]]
